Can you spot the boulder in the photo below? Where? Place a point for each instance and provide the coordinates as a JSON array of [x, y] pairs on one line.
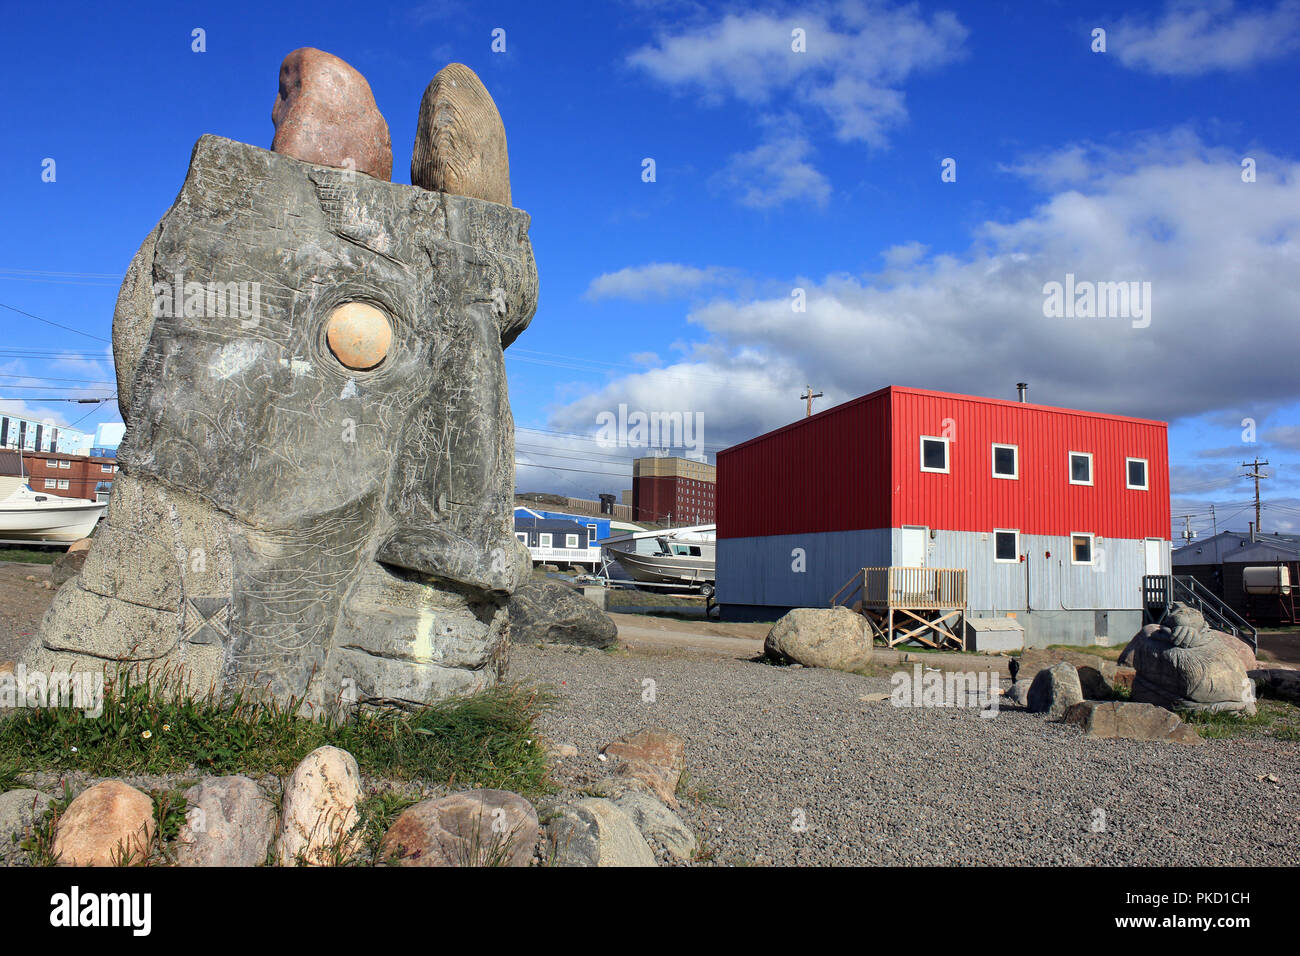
[[109, 824], [1122, 677], [595, 832], [832, 637], [1182, 664], [229, 821], [474, 828], [1018, 693], [656, 757], [318, 823], [546, 612], [1055, 689], [1131, 721], [1278, 682], [657, 824], [1093, 683], [460, 141], [325, 114], [20, 811]]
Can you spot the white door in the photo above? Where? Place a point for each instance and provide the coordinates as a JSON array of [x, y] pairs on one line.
[[1155, 555], [911, 551]]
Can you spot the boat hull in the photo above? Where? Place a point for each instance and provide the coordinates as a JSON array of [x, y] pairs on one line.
[[52, 524]]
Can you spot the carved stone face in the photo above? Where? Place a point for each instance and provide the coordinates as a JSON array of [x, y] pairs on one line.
[[362, 490]]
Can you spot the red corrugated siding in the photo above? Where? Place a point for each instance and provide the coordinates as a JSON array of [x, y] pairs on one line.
[[825, 473], [832, 472], [1042, 501]]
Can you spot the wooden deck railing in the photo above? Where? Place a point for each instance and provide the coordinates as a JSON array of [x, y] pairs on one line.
[[914, 588]]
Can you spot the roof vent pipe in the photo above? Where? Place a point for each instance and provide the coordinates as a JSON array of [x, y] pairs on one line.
[[1022, 391]]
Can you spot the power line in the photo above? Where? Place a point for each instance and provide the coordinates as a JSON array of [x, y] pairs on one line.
[[66, 328]]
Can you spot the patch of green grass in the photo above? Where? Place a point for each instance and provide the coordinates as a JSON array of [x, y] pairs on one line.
[[9, 771], [1274, 719], [39, 846], [149, 727], [688, 790], [376, 813], [29, 555]]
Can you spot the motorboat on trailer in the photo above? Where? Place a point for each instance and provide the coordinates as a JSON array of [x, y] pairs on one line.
[[681, 557], [49, 519]]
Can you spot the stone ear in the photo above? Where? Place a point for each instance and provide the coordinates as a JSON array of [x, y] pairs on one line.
[[460, 141]]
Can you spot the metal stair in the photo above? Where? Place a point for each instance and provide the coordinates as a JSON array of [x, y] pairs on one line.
[[1161, 591]]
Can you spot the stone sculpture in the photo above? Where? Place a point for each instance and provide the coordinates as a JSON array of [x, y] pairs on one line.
[[1182, 664], [316, 481]]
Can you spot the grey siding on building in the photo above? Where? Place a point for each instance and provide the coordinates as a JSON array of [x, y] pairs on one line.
[[1069, 604], [761, 570]]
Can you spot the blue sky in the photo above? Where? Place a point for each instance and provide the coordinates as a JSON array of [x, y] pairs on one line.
[[775, 170]]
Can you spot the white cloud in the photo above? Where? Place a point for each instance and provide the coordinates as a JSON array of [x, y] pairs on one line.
[[1220, 254], [1191, 38], [657, 280], [857, 57], [775, 172]]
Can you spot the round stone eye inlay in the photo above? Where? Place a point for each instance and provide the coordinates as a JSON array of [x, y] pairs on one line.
[[359, 335]]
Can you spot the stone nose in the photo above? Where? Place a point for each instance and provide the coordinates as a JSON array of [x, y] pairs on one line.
[[452, 485]]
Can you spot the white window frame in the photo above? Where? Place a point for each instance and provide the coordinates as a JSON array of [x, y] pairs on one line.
[[1092, 548], [51, 483], [544, 539], [998, 531], [993, 462], [1146, 474], [591, 535], [1069, 467], [522, 536], [947, 455], [64, 485], [106, 469], [571, 541], [51, 463], [65, 464]]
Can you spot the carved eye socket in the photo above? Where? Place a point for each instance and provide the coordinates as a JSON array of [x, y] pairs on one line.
[[359, 335]]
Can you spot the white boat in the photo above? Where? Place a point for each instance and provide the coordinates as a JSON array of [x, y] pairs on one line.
[[677, 556], [28, 516]]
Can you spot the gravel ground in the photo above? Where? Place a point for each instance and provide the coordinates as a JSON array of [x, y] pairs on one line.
[[874, 784], [22, 605]]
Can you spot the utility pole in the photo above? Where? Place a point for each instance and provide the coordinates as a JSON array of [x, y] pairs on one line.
[[1256, 474], [1216, 524], [1188, 533], [810, 395]]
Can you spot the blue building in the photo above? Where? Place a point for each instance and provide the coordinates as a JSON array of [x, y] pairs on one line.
[[553, 537]]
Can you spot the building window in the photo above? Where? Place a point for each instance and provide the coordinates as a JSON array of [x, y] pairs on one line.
[[544, 540], [522, 536], [51, 483], [1080, 468], [1006, 461], [570, 540], [1136, 473], [63, 484], [1081, 548], [1006, 546], [106, 468], [51, 463], [65, 464], [934, 454], [591, 534]]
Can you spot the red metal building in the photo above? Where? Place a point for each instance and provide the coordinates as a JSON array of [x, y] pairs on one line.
[[1055, 513]]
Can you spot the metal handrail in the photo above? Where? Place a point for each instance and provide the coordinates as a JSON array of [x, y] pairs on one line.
[[1209, 603]]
